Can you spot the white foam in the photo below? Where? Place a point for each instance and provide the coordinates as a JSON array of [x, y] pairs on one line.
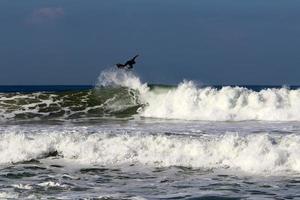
[[227, 104], [189, 102], [52, 184], [23, 186], [8, 195], [257, 153]]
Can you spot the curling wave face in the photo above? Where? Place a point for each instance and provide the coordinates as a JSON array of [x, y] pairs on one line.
[[89, 104], [122, 94]]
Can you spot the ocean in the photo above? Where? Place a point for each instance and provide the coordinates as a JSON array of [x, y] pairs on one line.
[[126, 139]]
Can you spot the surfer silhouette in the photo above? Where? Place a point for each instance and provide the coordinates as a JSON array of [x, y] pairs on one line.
[[128, 64]]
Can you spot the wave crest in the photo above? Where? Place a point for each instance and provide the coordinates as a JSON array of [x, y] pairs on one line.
[[121, 93], [188, 102], [117, 78], [257, 153]]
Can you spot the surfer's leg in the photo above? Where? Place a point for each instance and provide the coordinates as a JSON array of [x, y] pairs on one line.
[[120, 65]]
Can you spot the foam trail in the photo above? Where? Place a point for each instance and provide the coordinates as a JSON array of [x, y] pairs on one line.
[[257, 153]]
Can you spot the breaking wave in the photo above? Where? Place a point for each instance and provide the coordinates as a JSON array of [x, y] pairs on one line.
[[256, 153], [226, 104], [121, 94]]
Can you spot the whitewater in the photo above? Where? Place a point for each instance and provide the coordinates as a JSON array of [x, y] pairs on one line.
[[189, 102], [127, 139]]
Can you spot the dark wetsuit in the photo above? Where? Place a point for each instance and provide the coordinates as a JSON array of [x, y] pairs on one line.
[[129, 64]]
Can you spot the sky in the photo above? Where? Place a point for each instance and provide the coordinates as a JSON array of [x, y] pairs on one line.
[[213, 42]]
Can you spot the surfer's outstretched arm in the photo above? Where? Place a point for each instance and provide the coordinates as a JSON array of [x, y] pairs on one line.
[[135, 57]]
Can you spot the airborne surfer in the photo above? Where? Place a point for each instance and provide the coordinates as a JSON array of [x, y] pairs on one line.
[[128, 64]]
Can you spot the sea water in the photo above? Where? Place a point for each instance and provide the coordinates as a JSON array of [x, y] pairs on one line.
[[125, 139]]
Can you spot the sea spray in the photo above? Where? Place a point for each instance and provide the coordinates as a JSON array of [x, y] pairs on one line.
[[121, 78]]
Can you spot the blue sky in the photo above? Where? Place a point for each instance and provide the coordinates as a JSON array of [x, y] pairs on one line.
[[210, 41]]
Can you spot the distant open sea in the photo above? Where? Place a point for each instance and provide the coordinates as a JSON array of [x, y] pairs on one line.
[[125, 139], [64, 88]]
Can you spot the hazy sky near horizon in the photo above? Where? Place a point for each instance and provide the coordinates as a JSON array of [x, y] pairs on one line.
[[210, 41]]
